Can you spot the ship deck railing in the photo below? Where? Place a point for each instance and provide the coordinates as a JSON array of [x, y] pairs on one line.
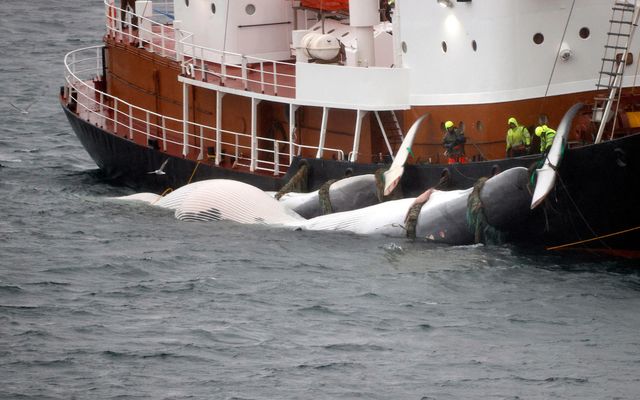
[[175, 136], [151, 30]]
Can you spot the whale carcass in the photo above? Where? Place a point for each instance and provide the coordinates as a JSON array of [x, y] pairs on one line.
[[503, 200]]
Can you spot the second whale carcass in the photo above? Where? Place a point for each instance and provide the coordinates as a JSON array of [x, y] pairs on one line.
[[453, 217]]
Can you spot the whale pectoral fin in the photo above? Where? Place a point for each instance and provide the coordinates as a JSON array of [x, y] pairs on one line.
[[391, 179]]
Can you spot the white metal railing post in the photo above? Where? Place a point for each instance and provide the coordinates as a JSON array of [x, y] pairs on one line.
[[144, 11], [178, 37], [107, 14], [101, 103], [356, 137], [111, 22], [275, 79], [185, 119], [276, 158], [202, 65], [262, 76], [148, 130], [162, 36], [98, 69], [236, 152], [254, 135], [118, 14], [115, 115], [130, 122], [128, 21], [219, 96], [323, 132], [201, 154], [164, 135], [245, 75], [223, 69], [292, 130]]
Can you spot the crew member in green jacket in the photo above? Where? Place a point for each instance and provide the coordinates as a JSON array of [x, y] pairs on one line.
[[546, 137], [518, 139]]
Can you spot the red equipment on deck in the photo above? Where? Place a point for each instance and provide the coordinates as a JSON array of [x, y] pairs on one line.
[[328, 5]]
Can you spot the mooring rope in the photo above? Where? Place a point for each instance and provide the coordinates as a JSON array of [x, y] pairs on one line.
[[297, 183], [194, 172]]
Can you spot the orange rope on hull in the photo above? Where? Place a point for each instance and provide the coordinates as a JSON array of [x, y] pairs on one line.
[[593, 239]]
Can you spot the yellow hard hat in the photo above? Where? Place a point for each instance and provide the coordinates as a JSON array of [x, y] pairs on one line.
[[512, 121], [448, 124]]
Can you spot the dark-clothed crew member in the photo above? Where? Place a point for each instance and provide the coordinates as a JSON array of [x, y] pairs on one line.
[[453, 143]]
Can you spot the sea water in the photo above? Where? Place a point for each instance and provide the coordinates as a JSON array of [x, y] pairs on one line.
[[110, 300]]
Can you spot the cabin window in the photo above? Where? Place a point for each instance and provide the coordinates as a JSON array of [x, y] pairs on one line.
[[444, 46], [474, 45], [538, 38], [213, 8], [479, 126], [186, 3], [584, 33], [250, 9], [404, 47]]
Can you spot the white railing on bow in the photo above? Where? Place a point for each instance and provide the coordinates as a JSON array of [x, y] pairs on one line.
[[154, 32], [83, 67]]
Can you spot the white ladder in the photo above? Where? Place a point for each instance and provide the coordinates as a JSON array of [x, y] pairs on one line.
[[622, 26]]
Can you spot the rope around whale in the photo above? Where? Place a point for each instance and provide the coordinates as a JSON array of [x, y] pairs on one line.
[[483, 232]]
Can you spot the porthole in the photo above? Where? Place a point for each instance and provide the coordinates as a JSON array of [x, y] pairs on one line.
[[474, 45], [404, 47], [250, 9], [444, 47], [213, 8], [186, 3], [538, 38], [479, 126], [584, 33]]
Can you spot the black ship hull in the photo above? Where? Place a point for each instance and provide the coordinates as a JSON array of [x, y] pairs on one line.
[[594, 204]]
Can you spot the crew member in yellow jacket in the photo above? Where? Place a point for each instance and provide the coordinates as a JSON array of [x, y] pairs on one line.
[[518, 139], [546, 137]]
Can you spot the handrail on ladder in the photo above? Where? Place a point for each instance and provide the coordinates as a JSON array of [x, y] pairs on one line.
[[616, 85]]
